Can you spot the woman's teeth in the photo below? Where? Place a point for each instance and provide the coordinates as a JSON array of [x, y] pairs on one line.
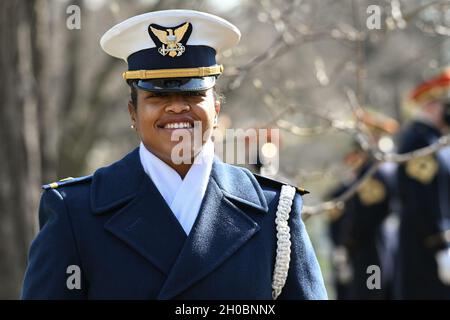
[[178, 125]]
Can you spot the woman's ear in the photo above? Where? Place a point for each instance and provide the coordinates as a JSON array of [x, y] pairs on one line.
[[217, 107], [132, 112]]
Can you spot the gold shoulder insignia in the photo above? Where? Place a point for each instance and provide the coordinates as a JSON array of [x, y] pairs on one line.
[[277, 184], [302, 191], [422, 169], [371, 191], [56, 184], [65, 182]]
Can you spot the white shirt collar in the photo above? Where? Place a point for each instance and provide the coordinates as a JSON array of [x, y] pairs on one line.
[[183, 196]]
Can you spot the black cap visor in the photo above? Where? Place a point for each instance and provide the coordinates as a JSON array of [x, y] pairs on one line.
[[176, 84]]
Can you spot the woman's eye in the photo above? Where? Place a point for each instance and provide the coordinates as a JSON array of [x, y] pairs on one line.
[[187, 94], [195, 94], [157, 95]]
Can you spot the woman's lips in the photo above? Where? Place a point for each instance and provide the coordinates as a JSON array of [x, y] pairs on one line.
[[173, 123]]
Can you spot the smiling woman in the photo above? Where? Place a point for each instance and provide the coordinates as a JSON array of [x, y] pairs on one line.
[[151, 227], [156, 116]]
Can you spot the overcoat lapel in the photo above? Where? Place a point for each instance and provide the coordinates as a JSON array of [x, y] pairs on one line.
[[220, 230], [144, 221]]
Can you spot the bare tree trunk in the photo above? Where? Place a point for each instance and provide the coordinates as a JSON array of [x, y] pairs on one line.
[[20, 169]]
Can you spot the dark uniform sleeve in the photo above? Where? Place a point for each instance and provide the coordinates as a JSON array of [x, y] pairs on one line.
[[51, 253], [424, 187], [365, 219], [423, 184], [336, 216], [304, 279]]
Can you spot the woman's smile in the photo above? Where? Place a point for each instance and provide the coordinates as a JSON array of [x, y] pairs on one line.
[[175, 122]]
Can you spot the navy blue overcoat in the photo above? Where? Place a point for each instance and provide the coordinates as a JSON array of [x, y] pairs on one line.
[[117, 228]]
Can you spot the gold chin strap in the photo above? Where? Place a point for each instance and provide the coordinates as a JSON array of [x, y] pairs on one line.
[[173, 73]]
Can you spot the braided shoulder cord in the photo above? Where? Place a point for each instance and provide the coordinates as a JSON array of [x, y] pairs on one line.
[[283, 253]]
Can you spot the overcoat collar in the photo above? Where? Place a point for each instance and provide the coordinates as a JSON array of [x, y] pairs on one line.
[[142, 219], [120, 182]]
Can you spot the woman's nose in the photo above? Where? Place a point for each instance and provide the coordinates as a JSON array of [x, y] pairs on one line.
[[177, 104]]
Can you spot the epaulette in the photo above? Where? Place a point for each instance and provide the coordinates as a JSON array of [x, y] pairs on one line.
[[65, 182], [277, 184]]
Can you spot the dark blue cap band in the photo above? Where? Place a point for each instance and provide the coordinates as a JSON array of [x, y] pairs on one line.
[[193, 57]]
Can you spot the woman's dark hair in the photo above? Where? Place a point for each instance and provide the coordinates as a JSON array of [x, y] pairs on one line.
[[133, 93]]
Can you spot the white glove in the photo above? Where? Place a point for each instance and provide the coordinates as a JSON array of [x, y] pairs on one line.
[[443, 264], [344, 272]]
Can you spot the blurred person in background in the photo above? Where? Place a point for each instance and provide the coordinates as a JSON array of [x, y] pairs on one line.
[[357, 227], [424, 186]]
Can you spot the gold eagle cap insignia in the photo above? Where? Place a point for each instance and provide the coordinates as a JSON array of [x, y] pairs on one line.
[[170, 39]]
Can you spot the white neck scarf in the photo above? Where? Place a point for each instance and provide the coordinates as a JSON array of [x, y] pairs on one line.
[[183, 196]]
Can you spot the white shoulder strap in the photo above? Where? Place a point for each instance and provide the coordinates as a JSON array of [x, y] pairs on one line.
[[283, 253]]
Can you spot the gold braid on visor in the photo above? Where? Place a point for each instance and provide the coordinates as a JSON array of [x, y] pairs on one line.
[[174, 73]]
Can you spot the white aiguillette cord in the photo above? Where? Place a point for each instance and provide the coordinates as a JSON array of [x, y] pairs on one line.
[[283, 252]]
